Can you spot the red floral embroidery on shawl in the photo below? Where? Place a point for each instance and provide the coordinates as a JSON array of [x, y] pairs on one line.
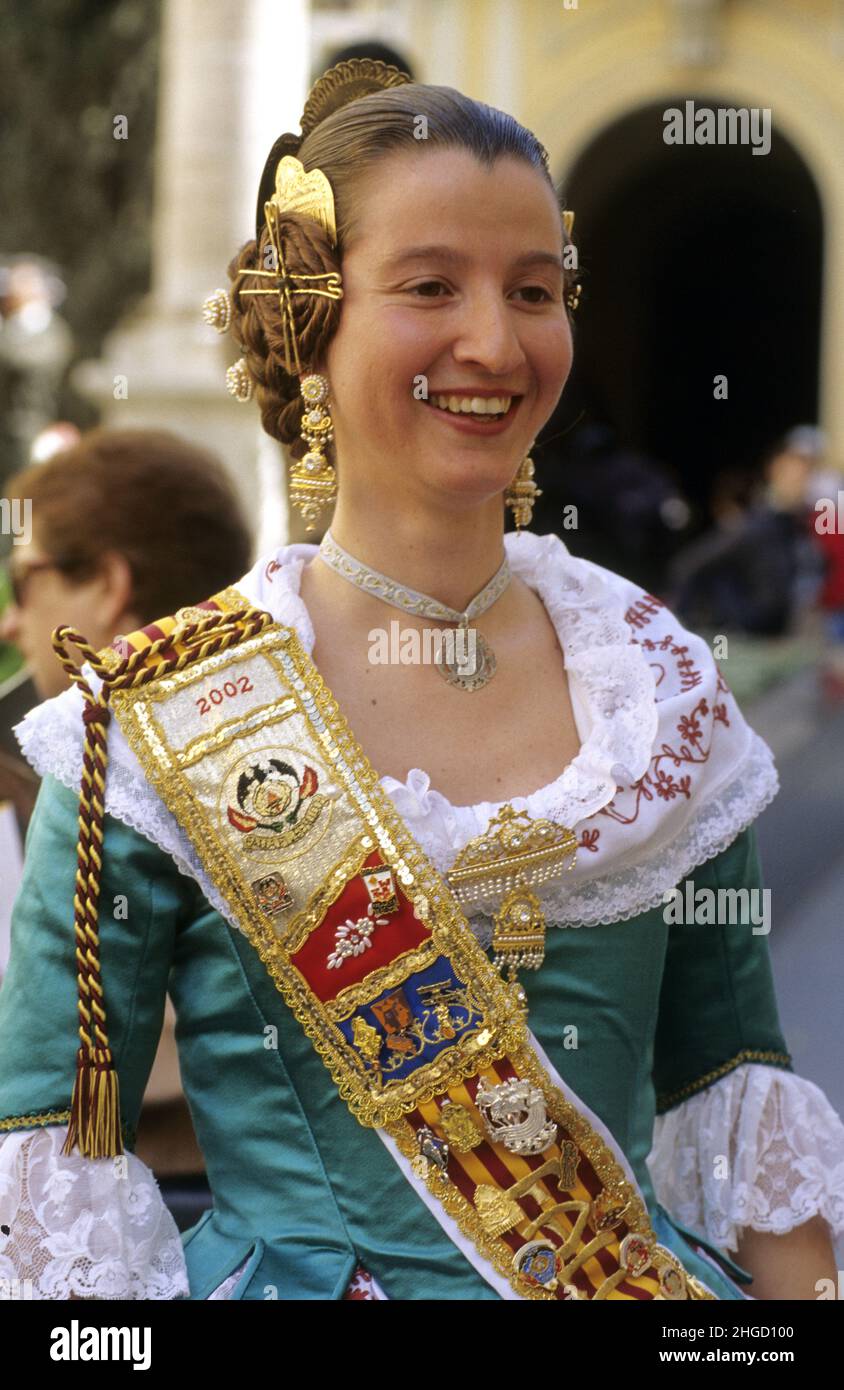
[[690, 753], [360, 1288], [640, 613], [689, 674]]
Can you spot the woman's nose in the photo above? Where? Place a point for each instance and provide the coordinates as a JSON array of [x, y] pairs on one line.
[[489, 337]]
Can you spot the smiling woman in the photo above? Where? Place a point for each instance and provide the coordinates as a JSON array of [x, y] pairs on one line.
[[409, 1079]]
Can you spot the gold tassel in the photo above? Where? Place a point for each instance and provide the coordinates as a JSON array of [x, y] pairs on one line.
[[95, 1106]]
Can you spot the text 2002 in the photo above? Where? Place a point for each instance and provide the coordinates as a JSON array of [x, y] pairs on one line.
[[217, 696]]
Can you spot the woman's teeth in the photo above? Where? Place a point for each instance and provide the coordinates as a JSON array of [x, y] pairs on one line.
[[473, 405]]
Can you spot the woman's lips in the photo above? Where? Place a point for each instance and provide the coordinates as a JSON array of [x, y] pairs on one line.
[[468, 425]]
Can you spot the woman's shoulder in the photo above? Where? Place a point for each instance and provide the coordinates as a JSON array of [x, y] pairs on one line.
[[604, 607], [639, 665], [670, 773]]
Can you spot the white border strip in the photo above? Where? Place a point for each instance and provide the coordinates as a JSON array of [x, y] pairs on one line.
[[589, 1115], [502, 1286]]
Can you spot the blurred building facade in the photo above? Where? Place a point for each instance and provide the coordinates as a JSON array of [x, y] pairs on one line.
[[699, 262]]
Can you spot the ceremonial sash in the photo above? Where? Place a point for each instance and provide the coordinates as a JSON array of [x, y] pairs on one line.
[[424, 1040]]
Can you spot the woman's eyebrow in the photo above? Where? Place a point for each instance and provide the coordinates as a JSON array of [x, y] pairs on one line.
[[455, 257]]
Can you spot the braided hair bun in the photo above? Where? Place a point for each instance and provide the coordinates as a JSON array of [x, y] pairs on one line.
[[257, 320]]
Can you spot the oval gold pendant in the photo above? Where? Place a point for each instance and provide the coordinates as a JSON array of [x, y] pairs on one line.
[[466, 676]]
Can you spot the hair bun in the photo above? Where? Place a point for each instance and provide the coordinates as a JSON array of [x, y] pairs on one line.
[[345, 82]]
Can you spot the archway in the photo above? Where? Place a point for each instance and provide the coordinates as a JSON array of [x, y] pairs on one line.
[[699, 261]]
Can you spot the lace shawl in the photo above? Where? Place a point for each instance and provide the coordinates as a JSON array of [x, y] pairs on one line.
[[668, 774]]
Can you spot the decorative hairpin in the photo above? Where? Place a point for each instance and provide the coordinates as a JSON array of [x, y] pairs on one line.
[[310, 195], [285, 284], [572, 295]]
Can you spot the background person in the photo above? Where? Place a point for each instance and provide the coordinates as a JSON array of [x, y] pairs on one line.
[[126, 525], [757, 570]]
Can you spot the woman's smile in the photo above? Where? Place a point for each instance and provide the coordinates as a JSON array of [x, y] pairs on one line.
[[475, 415]]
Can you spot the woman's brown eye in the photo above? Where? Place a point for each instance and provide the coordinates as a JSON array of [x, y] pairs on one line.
[[428, 284], [535, 289]]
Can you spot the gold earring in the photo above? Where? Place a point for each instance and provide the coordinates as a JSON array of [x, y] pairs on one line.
[[573, 297], [522, 493], [313, 482]]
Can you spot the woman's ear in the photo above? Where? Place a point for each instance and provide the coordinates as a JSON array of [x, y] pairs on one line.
[[116, 589]]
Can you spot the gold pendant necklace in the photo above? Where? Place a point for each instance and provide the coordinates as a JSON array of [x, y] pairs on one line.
[[473, 665], [464, 657]]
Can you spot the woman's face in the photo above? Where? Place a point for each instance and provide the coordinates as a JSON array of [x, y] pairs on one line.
[[48, 599], [480, 312]]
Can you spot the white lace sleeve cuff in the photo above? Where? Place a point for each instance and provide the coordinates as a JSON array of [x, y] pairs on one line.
[[96, 1228], [761, 1148]]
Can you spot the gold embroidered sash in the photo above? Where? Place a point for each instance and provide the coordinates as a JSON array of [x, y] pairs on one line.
[[372, 954]]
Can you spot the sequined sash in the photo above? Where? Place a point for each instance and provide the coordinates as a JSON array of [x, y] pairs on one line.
[[367, 945]]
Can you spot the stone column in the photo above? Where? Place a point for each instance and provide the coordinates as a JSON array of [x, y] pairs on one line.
[[234, 75], [696, 32]]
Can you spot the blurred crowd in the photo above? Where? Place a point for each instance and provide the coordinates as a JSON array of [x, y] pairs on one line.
[[766, 561]]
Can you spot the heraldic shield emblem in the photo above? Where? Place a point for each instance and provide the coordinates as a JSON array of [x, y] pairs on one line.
[[271, 799]]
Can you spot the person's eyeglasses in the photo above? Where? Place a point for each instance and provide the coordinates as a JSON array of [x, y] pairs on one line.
[[19, 578]]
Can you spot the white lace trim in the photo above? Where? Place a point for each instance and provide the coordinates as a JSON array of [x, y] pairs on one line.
[[95, 1228], [619, 896], [761, 1148], [226, 1289], [631, 696]]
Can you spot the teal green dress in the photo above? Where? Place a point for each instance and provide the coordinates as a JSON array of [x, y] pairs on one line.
[[302, 1194]]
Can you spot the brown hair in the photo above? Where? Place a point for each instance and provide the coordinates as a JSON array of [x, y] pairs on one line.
[[162, 503], [345, 145]]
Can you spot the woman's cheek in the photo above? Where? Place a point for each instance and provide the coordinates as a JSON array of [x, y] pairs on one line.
[[559, 358]]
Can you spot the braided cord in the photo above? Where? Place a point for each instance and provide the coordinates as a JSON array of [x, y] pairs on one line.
[[94, 1123]]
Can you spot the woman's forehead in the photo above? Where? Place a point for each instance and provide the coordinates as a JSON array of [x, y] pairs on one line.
[[449, 197]]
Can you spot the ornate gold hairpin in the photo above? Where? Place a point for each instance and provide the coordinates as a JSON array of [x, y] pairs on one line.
[[310, 195], [572, 295], [285, 285]]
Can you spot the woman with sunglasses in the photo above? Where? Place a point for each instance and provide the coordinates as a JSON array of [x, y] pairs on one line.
[[125, 524]]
